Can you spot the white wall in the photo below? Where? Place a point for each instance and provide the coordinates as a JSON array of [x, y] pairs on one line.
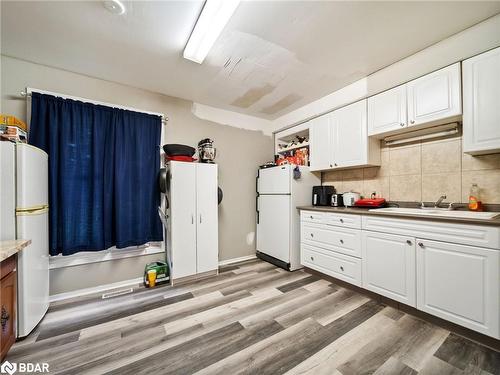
[[239, 153]]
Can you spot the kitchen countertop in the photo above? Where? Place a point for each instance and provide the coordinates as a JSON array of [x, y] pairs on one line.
[[366, 211], [9, 248]]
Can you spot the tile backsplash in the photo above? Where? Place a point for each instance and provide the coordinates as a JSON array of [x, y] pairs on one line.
[[424, 171]]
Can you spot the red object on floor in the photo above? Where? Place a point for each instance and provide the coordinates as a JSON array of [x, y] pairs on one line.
[[373, 203], [181, 158]]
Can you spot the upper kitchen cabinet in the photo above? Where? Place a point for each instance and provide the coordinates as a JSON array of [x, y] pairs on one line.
[[481, 120], [435, 98], [340, 139], [321, 143], [387, 111]]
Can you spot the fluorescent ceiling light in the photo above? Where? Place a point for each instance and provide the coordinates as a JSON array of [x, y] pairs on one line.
[[213, 18]]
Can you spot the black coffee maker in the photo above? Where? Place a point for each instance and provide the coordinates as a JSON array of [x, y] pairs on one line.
[[322, 195]]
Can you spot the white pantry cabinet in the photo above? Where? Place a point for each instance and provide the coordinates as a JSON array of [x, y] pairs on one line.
[[435, 97], [389, 266], [387, 111], [460, 284], [481, 119], [192, 235], [340, 139]]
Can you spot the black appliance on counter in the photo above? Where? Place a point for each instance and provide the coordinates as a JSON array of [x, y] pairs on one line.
[[337, 200], [322, 195]]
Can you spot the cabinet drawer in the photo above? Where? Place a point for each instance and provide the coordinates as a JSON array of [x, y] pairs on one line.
[[312, 216], [337, 265], [465, 234], [343, 240], [343, 220]]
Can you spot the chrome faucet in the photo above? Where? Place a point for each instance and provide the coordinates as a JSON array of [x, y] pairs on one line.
[[438, 202]]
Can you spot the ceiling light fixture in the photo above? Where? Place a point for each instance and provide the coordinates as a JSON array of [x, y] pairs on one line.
[[213, 18], [114, 6]]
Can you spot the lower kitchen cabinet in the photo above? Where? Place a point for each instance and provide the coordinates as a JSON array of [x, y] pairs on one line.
[[459, 283], [389, 266], [8, 303], [341, 266]]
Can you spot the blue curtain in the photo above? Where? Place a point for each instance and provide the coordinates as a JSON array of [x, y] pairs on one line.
[[103, 168]]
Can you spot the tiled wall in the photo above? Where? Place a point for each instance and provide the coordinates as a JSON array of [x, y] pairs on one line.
[[424, 171]]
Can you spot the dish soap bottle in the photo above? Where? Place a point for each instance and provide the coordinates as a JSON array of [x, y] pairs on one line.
[[474, 201]]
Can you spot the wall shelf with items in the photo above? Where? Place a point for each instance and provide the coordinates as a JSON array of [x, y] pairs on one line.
[[292, 145]]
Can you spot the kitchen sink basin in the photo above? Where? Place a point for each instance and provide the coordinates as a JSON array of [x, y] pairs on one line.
[[439, 212]]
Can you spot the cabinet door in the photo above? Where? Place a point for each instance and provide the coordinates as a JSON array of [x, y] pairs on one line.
[[207, 231], [481, 122], [8, 306], [183, 218], [389, 266], [321, 143], [350, 137], [435, 96], [387, 111], [460, 284]]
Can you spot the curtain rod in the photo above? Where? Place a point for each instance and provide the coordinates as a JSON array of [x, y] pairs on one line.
[[29, 90]]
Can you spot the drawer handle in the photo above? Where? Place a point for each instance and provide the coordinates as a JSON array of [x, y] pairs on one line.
[[312, 258], [341, 220], [408, 242], [341, 240], [311, 217], [421, 244], [342, 268], [4, 317], [312, 235]]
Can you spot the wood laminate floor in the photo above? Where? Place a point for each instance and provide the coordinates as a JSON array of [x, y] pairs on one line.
[[252, 318]]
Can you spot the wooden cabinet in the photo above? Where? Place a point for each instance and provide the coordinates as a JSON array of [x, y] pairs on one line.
[[321, 143], [435, 97], [481, 119], [8, 304], [192, 239], [389, 266], [340, 139], [387, 111], [460, 284]]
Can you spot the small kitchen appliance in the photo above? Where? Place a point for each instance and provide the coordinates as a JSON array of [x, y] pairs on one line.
[[350, 198], [337, 200], [322, 195], [206, 151]]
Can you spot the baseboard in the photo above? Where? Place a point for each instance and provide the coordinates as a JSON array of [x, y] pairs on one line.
[[237, 260], [121, 284], [94, 290]]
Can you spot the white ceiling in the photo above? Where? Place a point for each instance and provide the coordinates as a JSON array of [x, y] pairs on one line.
[[272, 57]]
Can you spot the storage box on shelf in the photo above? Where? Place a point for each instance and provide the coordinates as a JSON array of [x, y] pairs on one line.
[[450, 270]]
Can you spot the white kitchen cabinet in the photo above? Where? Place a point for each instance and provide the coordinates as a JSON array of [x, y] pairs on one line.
[[321, 143], [435, 97], [389, 266], [340, 139], [481, 95], [192, 238], [387, 111], [460, 284]]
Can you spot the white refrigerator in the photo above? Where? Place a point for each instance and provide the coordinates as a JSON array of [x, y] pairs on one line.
[[278, 220], [24, 215]]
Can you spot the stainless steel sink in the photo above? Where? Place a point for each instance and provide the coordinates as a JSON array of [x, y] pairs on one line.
[[439, 212]]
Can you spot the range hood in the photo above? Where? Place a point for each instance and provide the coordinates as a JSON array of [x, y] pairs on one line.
[[439, 131]]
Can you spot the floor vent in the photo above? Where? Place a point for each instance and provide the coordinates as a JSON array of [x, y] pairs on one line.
[[117, 293]]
